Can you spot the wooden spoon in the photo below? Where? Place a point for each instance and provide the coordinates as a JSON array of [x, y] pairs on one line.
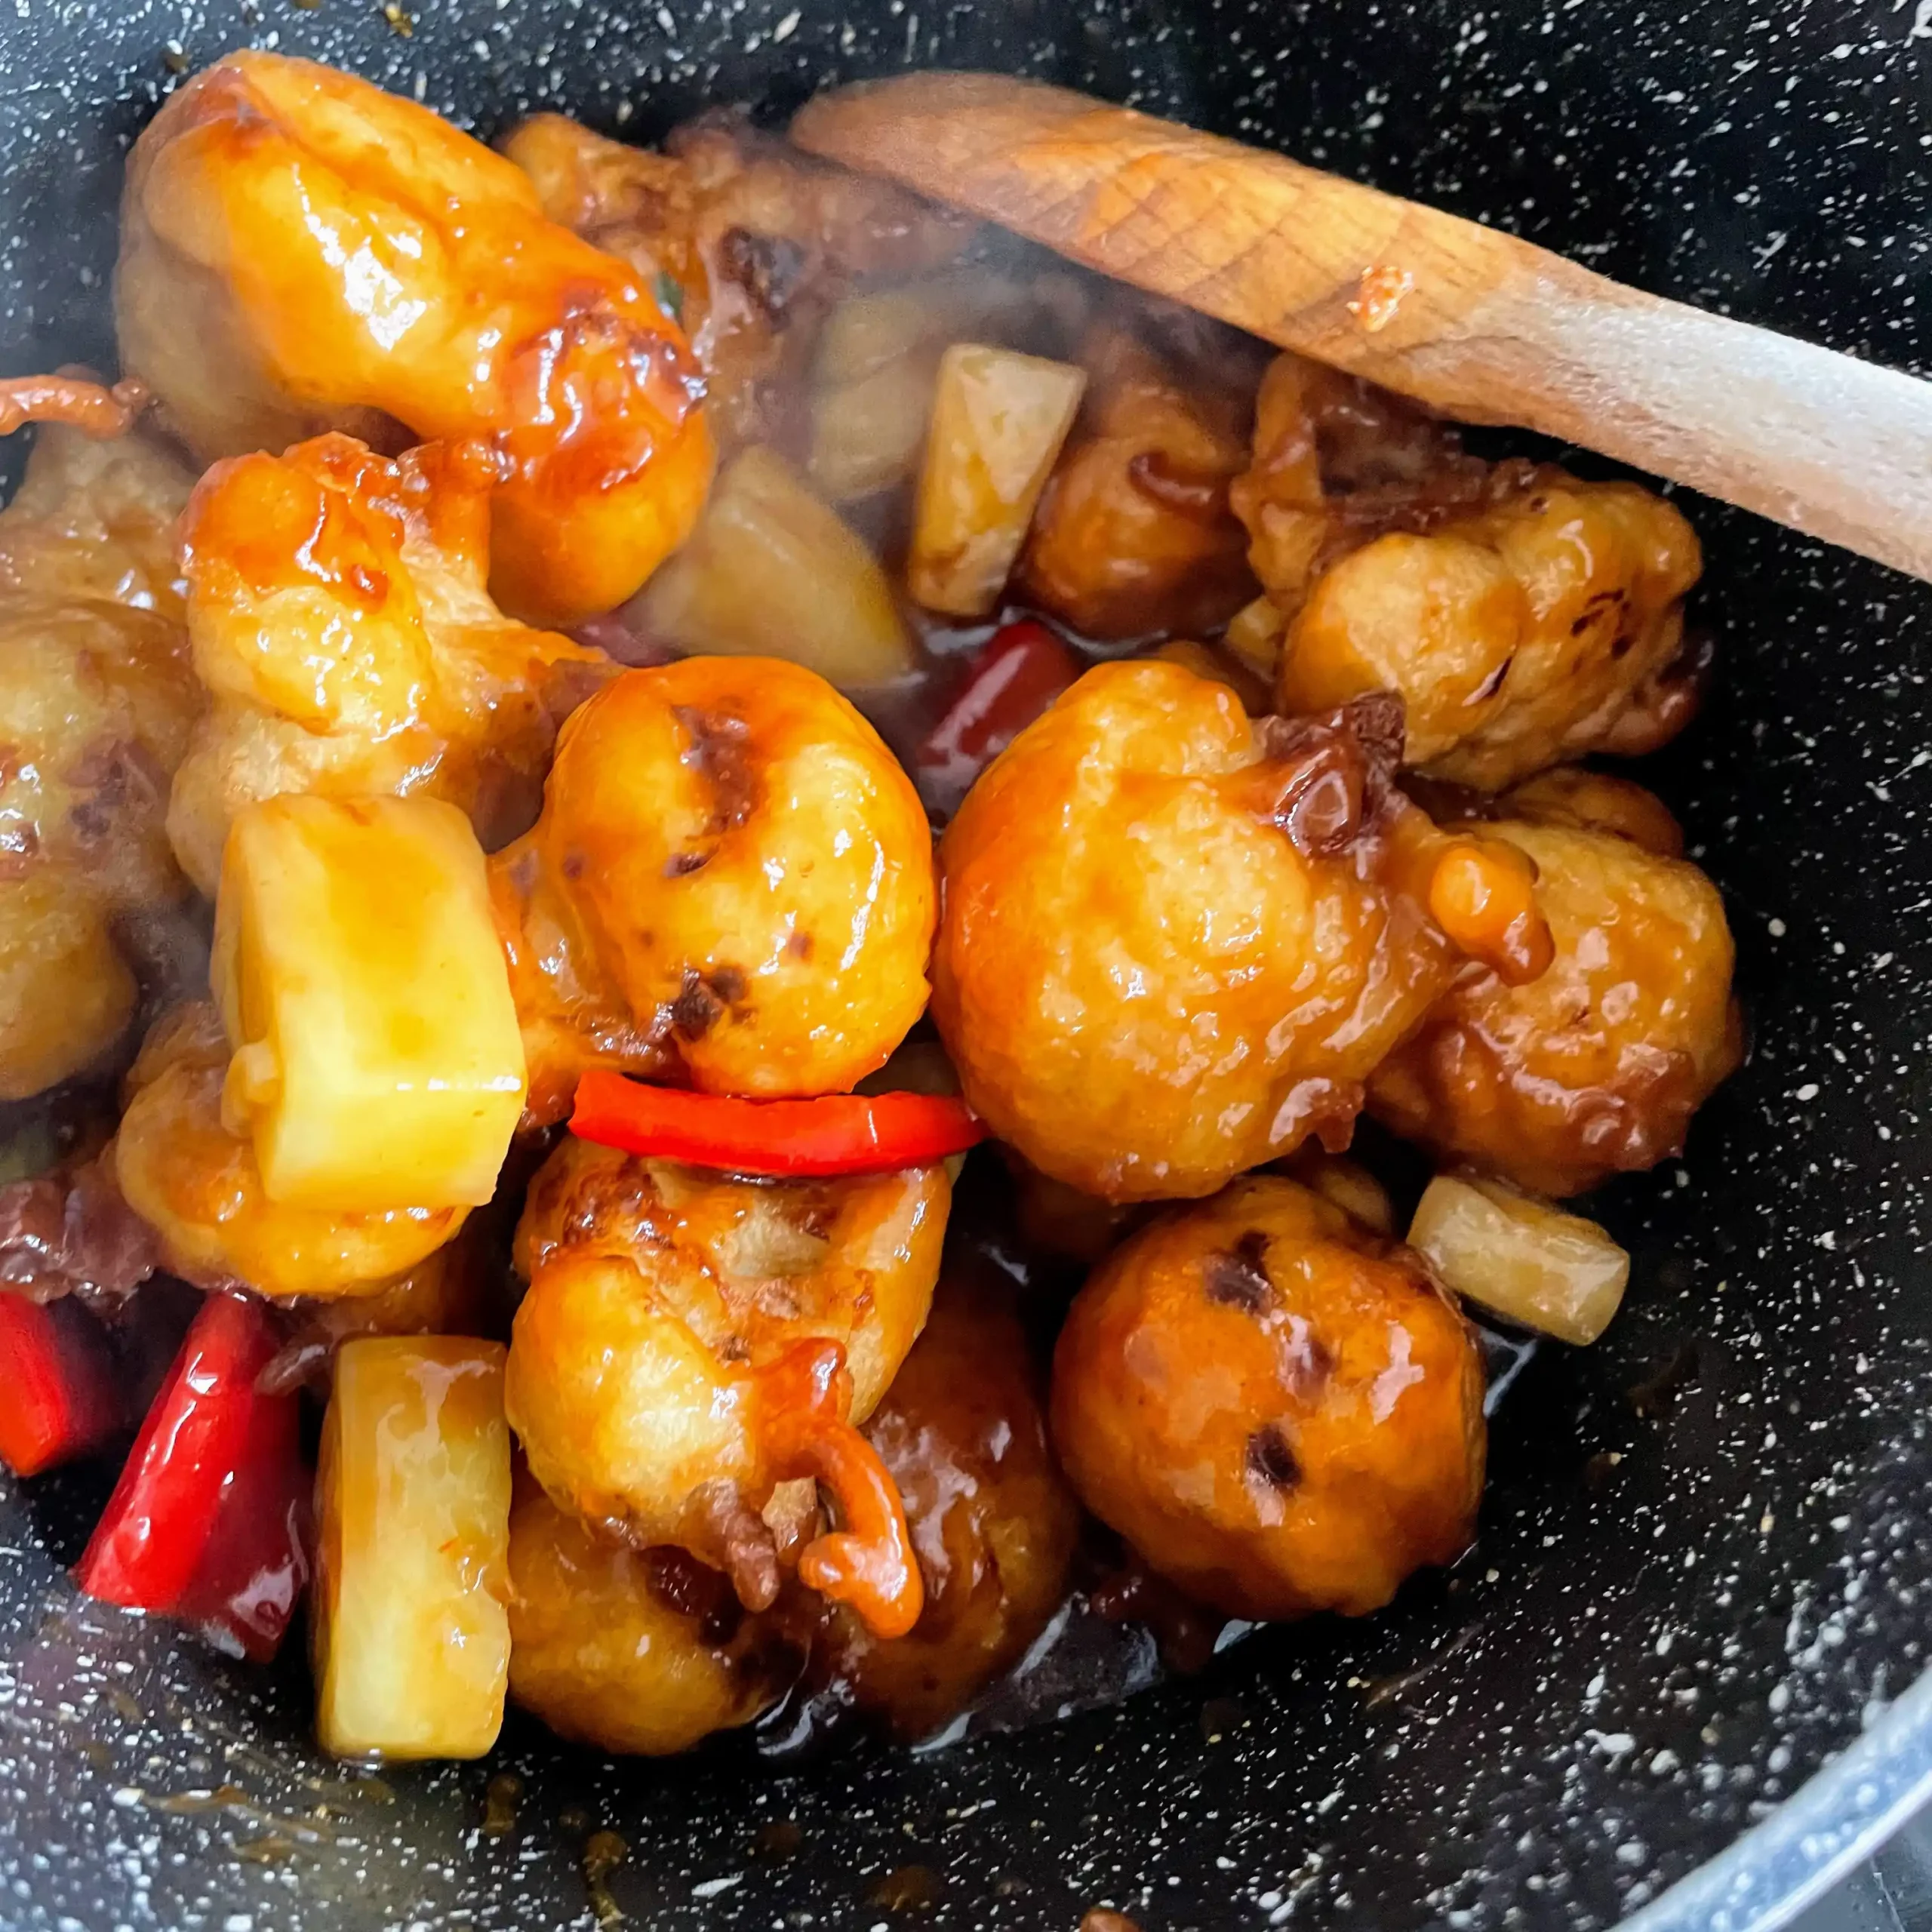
[[1474, 323]]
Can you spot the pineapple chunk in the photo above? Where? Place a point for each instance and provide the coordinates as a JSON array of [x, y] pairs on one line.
[[772, 571], [377, 1062], [998, 420], [410, 1633]]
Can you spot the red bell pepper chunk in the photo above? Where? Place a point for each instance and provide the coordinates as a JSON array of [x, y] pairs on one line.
[[59, 1394], [839, 1134], [1018, 671], [209, 1523]]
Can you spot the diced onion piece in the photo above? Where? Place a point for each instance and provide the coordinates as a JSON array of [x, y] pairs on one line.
[[1516, 1255], [866, 435], [378, 1063], [411, 1638], [878, 359], [999, 421], [771, 571]]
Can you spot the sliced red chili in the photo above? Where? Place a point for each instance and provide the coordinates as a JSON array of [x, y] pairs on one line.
[[209, 1520], [839, 1134], [59, 1393], [1017, 673]]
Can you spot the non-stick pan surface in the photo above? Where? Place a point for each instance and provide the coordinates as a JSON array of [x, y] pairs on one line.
[[1707, 1549]]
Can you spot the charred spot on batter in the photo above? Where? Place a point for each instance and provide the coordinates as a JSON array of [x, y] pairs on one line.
[[697, 1009], [799, 945], [681, 864], [573, 866], [728, 983], [1238, 1277], [1271, 1457], [719, 751]]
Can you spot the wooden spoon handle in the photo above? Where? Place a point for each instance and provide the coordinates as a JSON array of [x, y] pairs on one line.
[[1473, 323]]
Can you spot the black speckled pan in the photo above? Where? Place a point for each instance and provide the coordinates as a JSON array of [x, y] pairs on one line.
[[1704, 1574]]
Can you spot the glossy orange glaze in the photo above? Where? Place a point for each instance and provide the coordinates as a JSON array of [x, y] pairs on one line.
[[731, 884], [339, 620], [1133, 533], [198, 1186], [1175, 944], [1483, 894], [962, 1434], [691, 1344], [99, 409], [1596, 1067], [629, 1650], [1277, 1410], [303, 251]]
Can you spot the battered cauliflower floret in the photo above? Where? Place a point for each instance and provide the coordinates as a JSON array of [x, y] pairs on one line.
[[1596, 1067], [97, 701], [633, 1651], [691, 1343], [1523, 617], [340, 620], [302, 252], [1278, 1410], [750, 240], [962, 1433], [197, 1185], [731, 883], [1133, 533], [1175, 944]]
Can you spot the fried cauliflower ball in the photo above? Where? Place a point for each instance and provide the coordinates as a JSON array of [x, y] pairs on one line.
[[691, 1343], [336, 605], [750, 242], [1133, 533], [632, 1651], [97, 701], [731, 883], [1596, 1067], [198, 1186], [1335, 462], [1175, 944], [1521, 635], [962, 1433], [1523, 617], [302, 252], [1279, 1411]]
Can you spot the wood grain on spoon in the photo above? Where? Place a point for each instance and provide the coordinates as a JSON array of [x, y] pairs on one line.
[[1475, 324]]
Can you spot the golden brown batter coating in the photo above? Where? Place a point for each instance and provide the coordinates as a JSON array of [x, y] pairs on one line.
[[641, 1651], [300, 251], [757, 241], [97, 700], [1133, 533], [1279, 1411], [691, 1343], [1523, 617], [339, 619], [962, 1432], [1518, 636], [198, 1186], [732, 879], [1174, 944], [1597, 1067]]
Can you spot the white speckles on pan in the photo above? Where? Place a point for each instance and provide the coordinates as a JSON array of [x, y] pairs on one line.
[[1707, 1552]]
